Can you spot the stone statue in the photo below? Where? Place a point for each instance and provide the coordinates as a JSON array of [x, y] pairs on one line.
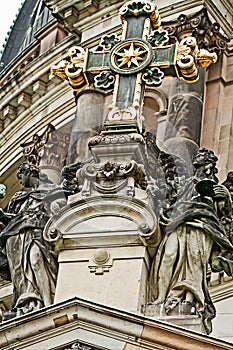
[[193, 237], [4, 219], [32, 265], [228, 222], [2, 195]]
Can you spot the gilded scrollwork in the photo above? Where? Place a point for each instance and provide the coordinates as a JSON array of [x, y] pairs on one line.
[[59, 69], [189, 57], [72, 70], [204, 58]]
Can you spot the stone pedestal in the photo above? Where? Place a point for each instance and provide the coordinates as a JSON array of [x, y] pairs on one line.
[[104, 250], [183, 315], [192, 322], [114, 276], [118, 148]]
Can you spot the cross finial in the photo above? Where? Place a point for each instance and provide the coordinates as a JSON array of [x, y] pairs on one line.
[[142, 57]]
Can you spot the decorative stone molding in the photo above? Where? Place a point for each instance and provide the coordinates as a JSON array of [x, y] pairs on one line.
[[101, 262], [9, 114], [72, 227], [70, 12], [111, 178], [114, 139], [39, 88]]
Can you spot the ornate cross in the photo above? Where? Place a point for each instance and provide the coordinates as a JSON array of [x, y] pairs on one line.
[[142, 57]]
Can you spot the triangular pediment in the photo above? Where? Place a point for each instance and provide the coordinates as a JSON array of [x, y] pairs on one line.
[[83, 325]]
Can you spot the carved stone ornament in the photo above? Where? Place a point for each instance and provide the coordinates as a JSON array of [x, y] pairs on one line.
[[116, 138], [153, 76], [78, 346], [110, 178], [158, 37], [101, 262], [105, 80], [140, 7], [143, 56]]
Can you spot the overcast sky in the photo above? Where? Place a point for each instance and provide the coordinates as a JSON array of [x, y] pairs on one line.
[[7, 15]]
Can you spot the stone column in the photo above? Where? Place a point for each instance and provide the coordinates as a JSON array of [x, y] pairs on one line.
[[88, 122], [184, 118]]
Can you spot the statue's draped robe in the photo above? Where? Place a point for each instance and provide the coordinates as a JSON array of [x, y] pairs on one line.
[[199, 233], [19, 238]]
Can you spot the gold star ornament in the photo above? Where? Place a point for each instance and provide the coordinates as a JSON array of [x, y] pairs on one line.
[[130, 56]]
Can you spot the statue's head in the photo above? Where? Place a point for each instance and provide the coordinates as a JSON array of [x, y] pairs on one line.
[[27, 174], [228, 183], [2, 191], [205, 164], [30, 176]]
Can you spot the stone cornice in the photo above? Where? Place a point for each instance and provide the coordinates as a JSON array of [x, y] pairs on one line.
[[221, 291], [116, 329], [75, 14], [13, 84]]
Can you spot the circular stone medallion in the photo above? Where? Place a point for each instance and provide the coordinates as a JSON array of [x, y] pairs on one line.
[[130, 56]]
